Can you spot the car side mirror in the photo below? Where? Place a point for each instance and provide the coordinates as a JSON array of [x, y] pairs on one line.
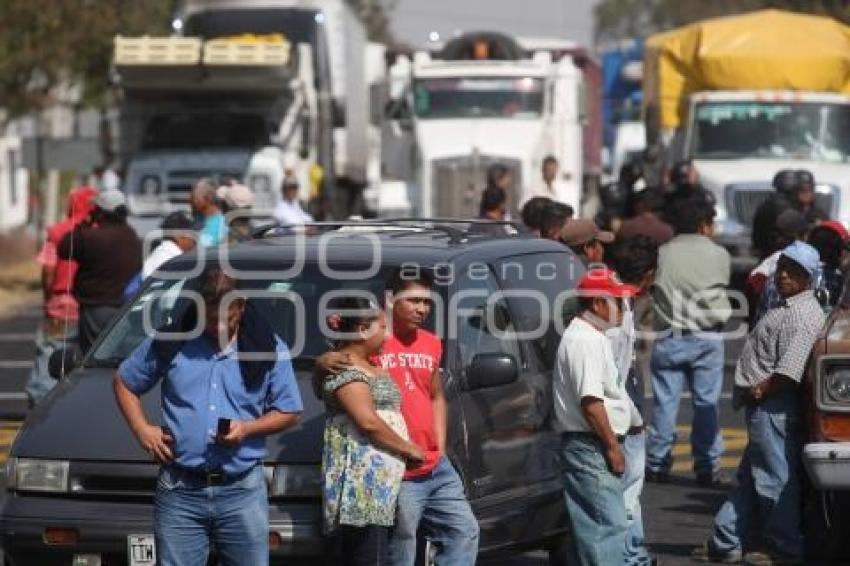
[[491, 370], [62, 362]]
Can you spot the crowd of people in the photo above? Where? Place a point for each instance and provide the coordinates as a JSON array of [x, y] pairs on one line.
[[655, 282]]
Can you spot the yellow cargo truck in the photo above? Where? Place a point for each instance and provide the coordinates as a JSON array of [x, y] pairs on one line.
[[745, 96]]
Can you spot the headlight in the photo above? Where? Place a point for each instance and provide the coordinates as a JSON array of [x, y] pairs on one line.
[[150, 185], [838, 385], [296, 481], [40, 475], [260, 183]]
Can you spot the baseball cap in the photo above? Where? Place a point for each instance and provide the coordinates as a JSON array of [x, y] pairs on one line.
[[579, 231], [804, 255], [792, 222], [836, 227], [110, 199], [238, 196], [603, 281], [178, 220]]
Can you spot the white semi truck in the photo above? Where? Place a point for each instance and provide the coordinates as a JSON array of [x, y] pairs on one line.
[[251, 88], [481, 100], [746, 96]]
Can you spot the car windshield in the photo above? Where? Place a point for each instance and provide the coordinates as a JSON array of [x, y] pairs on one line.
[[772, 130], [207, 130], [290, 305], [520, 97]]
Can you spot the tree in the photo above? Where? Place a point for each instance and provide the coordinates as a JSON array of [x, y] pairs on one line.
[[375, 16], [49, 45], [621, 19]]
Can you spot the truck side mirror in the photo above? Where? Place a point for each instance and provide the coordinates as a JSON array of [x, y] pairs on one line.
[[62, 362], [491, 370]]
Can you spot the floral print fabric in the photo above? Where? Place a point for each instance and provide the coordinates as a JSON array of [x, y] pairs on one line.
[[361, 482]]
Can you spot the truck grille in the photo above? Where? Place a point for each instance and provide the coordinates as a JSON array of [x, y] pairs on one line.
[[459, 181], [742, 201]]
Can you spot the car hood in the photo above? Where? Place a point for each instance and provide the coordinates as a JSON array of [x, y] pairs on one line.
[[80, 420]]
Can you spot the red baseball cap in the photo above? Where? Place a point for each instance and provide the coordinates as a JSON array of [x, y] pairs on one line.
[[603, 281], [836, 227]]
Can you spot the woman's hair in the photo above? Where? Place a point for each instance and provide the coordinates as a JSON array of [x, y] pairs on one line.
[[349, 313]]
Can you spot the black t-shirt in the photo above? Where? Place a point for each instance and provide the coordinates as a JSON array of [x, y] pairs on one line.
[[108, 256]]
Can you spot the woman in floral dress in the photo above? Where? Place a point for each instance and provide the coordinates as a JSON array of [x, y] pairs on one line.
[[366, 445]]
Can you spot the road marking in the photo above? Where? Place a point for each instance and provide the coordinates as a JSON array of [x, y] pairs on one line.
[[16, 364], [19, 396], [8, 432], [17, 337], [734, 442]]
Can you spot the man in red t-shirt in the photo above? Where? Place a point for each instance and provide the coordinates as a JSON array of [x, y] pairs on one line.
[[61, 311], [432, 493]]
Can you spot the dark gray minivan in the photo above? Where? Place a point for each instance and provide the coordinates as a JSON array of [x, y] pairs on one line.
[[80, 489]]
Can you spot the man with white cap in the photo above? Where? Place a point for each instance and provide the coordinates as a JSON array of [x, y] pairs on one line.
[[108, 254], [767, 384], [238, 203]]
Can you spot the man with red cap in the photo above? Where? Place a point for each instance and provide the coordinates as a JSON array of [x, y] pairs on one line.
[[593, 413], [61, 310]]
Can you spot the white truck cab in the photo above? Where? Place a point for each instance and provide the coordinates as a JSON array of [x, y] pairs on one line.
[[738, 140], [458, 117]]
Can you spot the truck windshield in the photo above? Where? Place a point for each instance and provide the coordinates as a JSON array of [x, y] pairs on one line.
[[478, 98], [206, 130], [771, 130]]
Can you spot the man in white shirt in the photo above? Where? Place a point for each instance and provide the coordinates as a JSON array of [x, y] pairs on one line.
[[179, 236], [552, 185], [593, 413], [288, 211]]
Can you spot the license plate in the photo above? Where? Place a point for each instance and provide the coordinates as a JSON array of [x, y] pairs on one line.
[[141, 550]]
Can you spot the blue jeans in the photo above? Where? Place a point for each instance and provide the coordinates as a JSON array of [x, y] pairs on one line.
[[595, 508], [437, 500], [634, 450], [697, 360], [189, 517], [768, 481], [40, 382]]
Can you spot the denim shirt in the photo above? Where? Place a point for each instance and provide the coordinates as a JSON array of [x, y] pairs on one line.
[[202, 384]]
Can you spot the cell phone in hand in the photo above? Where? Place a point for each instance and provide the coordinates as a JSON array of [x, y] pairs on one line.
[[223, 427]]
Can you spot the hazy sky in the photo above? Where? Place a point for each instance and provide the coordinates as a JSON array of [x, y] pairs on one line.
[[413, 20]]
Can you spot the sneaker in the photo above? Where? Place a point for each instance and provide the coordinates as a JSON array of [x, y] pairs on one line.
[[771, 559], [710, 479], [660, 476], [705, 553]]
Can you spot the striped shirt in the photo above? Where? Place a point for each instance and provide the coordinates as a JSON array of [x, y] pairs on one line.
[[782, 341]]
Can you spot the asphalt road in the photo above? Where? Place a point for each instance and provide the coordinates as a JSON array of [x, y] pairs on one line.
[[677, 516]]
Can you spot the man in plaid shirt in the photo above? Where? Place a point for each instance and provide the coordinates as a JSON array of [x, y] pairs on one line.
[[767, 380]]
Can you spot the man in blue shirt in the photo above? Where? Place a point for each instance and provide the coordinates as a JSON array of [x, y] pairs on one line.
[[211, 486], [206, 208]]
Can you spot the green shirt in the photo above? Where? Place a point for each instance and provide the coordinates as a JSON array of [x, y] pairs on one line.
[[689, 291]]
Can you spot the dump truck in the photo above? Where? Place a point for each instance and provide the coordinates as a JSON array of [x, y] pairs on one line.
[[745, 96], [249, 91]]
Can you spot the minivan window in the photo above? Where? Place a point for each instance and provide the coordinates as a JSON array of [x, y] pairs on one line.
[[551, 274], [281, 307], [476, 333]]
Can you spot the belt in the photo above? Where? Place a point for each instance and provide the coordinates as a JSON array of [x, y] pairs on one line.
[[209, 478], [566, 435]]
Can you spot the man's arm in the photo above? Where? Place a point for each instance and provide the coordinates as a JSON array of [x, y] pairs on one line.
[[595, 415], [771, 386], [438, 399], [270, 423], [48, 276], [153, 439]]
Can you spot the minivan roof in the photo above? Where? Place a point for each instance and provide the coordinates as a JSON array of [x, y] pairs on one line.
[[360, 247]]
